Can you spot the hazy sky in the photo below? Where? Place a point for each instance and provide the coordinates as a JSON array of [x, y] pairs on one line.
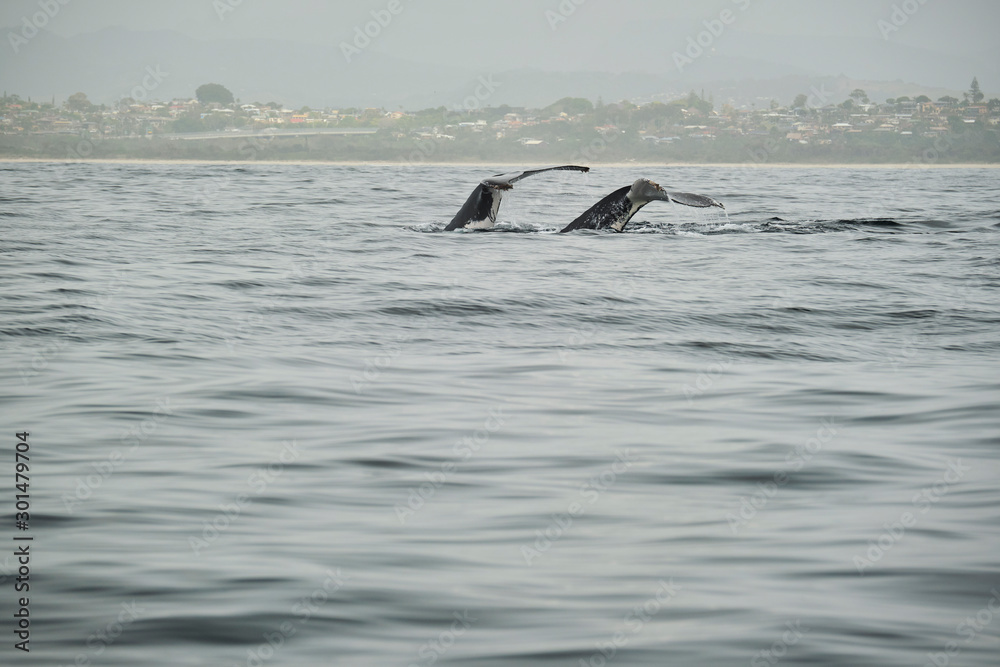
[[516, 33], [434, 51]]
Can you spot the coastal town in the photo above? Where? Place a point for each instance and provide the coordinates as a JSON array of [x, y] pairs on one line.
[[690, 127]]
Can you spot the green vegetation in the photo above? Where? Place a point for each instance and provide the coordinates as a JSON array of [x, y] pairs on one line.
[[79, 102], [975, 95], [572, 106], [689, 129], [214, 92]]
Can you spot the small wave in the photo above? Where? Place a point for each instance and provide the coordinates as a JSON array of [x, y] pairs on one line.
[[430, 309], [774, 225], [239, 284], [500, 227], [873, 222], [914, 314]]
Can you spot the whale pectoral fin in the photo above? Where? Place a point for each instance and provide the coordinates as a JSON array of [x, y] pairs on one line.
[[696, 201]]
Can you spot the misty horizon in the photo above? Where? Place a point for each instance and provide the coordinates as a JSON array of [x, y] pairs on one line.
[[392, 54]]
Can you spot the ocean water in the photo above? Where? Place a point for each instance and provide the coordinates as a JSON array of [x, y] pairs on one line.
[[277, 417]]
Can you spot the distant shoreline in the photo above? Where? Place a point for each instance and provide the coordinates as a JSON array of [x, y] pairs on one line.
[[615, 165]]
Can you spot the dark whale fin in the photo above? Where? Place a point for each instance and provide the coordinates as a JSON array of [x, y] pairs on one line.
[[478, 207], [484, 202], [616, 206]]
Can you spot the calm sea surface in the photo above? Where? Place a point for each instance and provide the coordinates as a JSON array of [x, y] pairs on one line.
[[277, 417]]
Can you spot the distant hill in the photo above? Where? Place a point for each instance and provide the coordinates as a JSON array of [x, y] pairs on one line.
[[109, 64]]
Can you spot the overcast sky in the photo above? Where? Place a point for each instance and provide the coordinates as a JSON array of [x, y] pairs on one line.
[[938, 44], [516, 33]]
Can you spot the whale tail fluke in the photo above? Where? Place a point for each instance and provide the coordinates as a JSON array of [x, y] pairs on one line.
[[480, 209], [617, 209], [697, 201]]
